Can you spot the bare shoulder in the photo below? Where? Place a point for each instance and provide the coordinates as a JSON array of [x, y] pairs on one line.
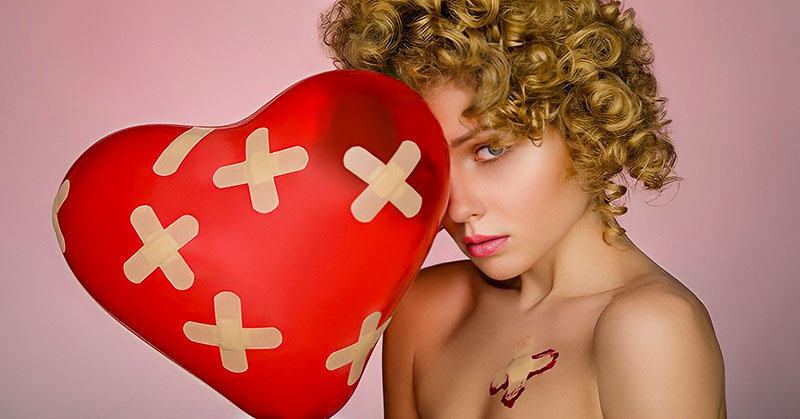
[[651, 299], [430, 305], [439, 297], [449, 280], [657, 354], [446, 275]]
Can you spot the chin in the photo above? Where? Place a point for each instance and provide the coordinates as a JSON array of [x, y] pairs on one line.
[[497, 269]]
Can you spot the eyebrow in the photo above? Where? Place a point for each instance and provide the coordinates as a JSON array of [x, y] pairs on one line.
[[462, 139]]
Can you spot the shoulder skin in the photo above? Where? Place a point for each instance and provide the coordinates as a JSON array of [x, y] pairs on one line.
[[657, 355], [434, 300]]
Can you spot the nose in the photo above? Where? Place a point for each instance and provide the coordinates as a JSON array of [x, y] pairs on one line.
[[463, 204]]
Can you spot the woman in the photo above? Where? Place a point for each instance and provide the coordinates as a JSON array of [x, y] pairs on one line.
[[556, 313]]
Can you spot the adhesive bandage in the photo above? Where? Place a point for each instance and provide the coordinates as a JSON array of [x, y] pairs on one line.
[[524, 366], [160, 248], [260, 168], [229, 334], [357, 352], [172, 156], [387, 183], [61, 196]]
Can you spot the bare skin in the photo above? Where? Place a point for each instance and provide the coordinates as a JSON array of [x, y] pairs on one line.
[[631, 340]]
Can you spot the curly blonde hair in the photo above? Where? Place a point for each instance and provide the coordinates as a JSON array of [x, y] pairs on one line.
[[581, 65]]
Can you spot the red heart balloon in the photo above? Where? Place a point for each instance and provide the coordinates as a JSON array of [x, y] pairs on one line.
[[265, 257]]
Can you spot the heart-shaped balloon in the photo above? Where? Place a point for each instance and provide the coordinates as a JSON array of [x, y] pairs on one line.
[[265, 257]]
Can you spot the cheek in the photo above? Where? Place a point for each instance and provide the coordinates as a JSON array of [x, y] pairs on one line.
[[535, 198]]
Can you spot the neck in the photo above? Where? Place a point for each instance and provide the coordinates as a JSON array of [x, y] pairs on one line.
[[578, 265]]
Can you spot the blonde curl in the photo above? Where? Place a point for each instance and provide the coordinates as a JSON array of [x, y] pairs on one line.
[[583, 66]]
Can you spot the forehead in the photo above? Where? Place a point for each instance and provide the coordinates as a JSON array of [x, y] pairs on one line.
[[446, 102]]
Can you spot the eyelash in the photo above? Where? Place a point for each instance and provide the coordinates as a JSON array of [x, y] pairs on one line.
[[493, 159]]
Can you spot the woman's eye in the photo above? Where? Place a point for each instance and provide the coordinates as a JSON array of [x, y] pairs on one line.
[[492, 153]]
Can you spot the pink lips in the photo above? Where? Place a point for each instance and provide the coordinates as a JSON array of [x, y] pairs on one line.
[[486, 248]]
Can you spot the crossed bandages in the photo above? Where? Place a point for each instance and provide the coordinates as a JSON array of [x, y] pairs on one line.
[[356, 354], [229, 334], [259, 169], [61, 196], [233, 339], [161, 247], [385, 182], [523, 366]]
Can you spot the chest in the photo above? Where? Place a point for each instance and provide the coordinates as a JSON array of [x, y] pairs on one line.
[[495, 366]]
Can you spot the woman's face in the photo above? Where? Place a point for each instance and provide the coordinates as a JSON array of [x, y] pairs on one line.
[[519, 192]]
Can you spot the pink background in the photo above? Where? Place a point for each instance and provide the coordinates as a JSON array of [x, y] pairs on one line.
[[73, 73]]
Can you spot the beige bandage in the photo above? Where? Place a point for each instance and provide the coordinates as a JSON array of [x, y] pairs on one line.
[[160, 248], [516, 372], [357, 352], [172, 156], [229, 334], [386, 182], [61, 196], [260, 168]]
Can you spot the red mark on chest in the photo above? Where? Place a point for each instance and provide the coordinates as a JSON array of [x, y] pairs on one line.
[[513, 376]]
